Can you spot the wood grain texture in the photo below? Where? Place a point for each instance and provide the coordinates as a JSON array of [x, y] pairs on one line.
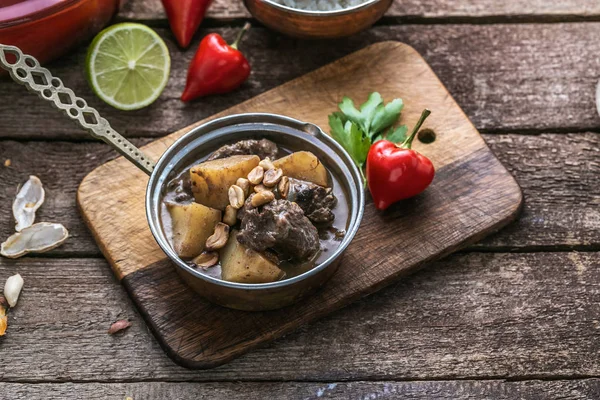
[[228, 9], [584, 389], [472, 196], [561, 192], [469, 316], [59, 335], [61, 166], [513, 78]]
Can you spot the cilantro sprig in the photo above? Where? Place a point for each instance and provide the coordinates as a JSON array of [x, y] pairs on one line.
[[356, 129]]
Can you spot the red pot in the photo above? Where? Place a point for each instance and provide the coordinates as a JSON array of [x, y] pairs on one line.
[[47, 29]]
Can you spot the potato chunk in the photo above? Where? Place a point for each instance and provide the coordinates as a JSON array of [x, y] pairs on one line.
[[211, 179], [191, 225], [243, 265], [303, 165]]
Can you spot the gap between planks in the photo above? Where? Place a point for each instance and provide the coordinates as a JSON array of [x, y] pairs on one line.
[[576, 389], [524, 378], [591, 248], [213, 22], [143, 140]]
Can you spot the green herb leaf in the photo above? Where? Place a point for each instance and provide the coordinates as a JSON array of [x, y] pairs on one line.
[[341, 116], [364, 117], [367, 111], [374, 116], [350, 112], [359, 145], [385, 116], [397, 135], [357, 129], [337, 129], [351, 137]]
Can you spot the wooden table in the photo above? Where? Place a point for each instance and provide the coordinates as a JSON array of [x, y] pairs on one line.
[[515, 316]]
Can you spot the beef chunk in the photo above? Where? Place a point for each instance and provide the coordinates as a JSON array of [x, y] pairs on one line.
[[245, 208], [263, 148], [281, 226], [180, 189], [316, 201]]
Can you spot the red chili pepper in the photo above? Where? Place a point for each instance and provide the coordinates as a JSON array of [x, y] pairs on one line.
[[216, 68], [396, 172], [185, 17]]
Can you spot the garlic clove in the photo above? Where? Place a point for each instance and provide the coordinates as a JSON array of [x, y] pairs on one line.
[[12, 289], [29, 198]]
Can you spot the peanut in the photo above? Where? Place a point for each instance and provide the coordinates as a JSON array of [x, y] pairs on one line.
[[230, 216], [262, 198], [244, 184], [283, 187], [206, 259], [256, 175], [236, 197], [261, 188], [219, 238], [272, 176], [266, 164]]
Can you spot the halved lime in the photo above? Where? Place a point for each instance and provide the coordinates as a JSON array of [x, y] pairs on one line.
[[128, 66]]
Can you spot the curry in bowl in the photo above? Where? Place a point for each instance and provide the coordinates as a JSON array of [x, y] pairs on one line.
[[254, 212]]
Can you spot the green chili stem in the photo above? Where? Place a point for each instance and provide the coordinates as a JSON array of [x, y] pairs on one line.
[[240, 35], [408, 142]]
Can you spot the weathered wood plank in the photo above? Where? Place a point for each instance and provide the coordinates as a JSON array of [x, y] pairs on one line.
[[227, 9], [492, 8], [470, 316], [584, 389], [560, 177], [513, 78], [61, 166], [559, 174], [152, 10]]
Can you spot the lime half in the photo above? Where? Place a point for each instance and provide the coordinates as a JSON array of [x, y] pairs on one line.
[[128, 66]]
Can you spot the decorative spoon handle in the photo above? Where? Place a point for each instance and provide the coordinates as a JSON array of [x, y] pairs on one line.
[[26, 70]]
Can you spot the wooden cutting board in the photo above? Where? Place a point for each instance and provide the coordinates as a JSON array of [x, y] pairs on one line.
[[472, 195]]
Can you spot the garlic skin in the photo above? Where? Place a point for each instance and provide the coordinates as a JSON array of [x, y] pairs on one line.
[[12, 289]]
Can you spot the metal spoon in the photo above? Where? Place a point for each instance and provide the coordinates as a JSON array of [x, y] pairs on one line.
[[26, 70]]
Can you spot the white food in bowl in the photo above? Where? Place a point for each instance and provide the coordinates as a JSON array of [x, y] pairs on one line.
[[319, 5]]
